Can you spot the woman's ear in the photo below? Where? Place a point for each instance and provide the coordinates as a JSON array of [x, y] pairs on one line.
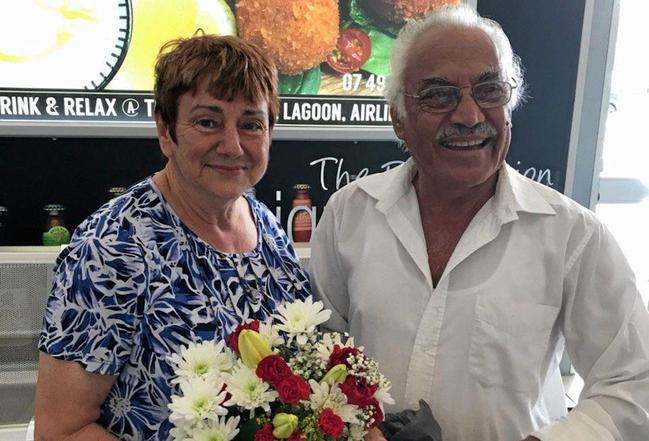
[[164, 137]]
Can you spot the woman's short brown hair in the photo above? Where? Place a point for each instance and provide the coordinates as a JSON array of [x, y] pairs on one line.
[[233, 67]]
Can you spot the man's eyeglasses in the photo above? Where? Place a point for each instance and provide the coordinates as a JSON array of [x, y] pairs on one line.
[[440, 99]]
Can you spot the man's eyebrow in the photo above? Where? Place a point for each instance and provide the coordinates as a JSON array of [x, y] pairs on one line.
[[490, 75], [433, 82]]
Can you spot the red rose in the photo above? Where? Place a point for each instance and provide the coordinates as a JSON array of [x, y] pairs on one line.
[[265, 433], [233, 339], [292, 389], [339, 355], [358, 391], [273, 369], [295, 436], [377, 414], [330, 424]]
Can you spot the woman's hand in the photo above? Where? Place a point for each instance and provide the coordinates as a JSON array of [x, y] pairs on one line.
[[374, 435]]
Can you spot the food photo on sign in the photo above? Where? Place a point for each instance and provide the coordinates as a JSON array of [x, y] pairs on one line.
[[321, 47]]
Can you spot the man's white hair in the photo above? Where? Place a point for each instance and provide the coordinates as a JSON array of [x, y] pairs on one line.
[[461, 15]]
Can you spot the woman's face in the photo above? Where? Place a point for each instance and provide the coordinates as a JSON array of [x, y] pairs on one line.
[[221, 147]]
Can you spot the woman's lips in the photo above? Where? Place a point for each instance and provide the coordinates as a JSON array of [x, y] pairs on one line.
[[227, 169]]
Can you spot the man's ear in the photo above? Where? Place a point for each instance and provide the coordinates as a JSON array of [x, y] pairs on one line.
[[164, 137], [397, 123]]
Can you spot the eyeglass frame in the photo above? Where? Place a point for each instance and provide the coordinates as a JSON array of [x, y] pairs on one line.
[[510, 88]]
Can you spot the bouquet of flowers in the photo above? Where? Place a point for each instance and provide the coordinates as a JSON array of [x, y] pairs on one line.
[[278, 379]]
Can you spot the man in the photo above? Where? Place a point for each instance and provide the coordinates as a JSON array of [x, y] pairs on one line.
[[466, 280]]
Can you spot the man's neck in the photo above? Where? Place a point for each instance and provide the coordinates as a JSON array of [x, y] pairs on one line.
[[452, 200]]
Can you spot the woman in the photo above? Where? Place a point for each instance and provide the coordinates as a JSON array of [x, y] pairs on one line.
[[183, 256]]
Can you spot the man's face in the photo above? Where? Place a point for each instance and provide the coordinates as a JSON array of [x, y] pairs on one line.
[[465, 147], [222, 146]]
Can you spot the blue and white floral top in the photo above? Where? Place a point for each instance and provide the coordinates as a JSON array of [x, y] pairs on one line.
[[135, 284]]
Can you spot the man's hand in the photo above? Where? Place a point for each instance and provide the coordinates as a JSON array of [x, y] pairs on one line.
[[374, 435]]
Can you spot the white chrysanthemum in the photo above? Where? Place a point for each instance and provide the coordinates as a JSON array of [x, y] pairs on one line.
[[201, 400], [270, 334], [217, 430], [201, 360], [326, 345], [323, 396], [248, 390], [300, 317]]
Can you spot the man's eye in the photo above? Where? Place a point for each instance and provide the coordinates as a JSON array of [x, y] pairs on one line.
[[438, 95]]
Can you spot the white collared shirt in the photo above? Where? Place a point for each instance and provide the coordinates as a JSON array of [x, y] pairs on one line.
[[532, 271]]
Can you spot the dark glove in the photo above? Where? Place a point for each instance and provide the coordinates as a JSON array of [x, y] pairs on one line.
[[410, 425]]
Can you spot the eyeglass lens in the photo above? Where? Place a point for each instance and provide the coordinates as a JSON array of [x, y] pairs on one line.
[[487, 95]]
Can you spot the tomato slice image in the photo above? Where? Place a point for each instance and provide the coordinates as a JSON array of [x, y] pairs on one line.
[[353, 48]]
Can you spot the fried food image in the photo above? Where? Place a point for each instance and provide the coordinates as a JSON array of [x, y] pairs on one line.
[[398, 11], [297, 34]]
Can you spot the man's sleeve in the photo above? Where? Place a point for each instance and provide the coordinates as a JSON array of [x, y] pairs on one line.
[[606, 326], [328, 279]]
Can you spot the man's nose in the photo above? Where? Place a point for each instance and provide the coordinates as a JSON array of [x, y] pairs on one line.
[[468, 112]]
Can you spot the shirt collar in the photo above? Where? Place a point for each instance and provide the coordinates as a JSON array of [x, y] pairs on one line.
[[514, 193]]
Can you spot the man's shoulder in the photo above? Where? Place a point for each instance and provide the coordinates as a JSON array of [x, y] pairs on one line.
[[371, 187], [565, 208]]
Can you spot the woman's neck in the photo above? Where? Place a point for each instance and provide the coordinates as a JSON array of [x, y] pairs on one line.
[[226, 224]]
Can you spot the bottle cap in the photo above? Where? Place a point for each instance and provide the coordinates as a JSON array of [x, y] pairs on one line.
[[302, 187], [116, 191], [54, 209]]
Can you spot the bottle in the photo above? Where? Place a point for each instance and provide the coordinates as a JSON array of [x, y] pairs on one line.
[[3, 216], [301, 225], [55, 231]]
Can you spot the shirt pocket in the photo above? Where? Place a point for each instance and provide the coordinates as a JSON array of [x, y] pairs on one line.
[[509, 343]]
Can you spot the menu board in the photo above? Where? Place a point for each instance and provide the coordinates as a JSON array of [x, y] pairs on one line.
[[92, 60]]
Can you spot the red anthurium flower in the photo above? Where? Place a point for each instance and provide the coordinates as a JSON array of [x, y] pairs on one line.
[[233, 339]]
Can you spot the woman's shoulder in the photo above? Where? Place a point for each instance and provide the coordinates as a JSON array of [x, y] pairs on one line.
[[119, 223]]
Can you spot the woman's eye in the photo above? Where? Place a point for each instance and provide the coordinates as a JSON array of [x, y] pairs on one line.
[[253, 125], [205, 123]]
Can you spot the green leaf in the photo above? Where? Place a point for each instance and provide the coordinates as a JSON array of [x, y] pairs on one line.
[[311, 81], [379, 61], [364, 20], [247, 431], [290, 84], [357, 13], [305, 83]]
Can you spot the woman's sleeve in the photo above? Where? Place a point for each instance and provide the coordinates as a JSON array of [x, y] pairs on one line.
[[95, 301]]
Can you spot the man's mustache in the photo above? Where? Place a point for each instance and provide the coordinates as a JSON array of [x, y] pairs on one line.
[[482, 129]]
